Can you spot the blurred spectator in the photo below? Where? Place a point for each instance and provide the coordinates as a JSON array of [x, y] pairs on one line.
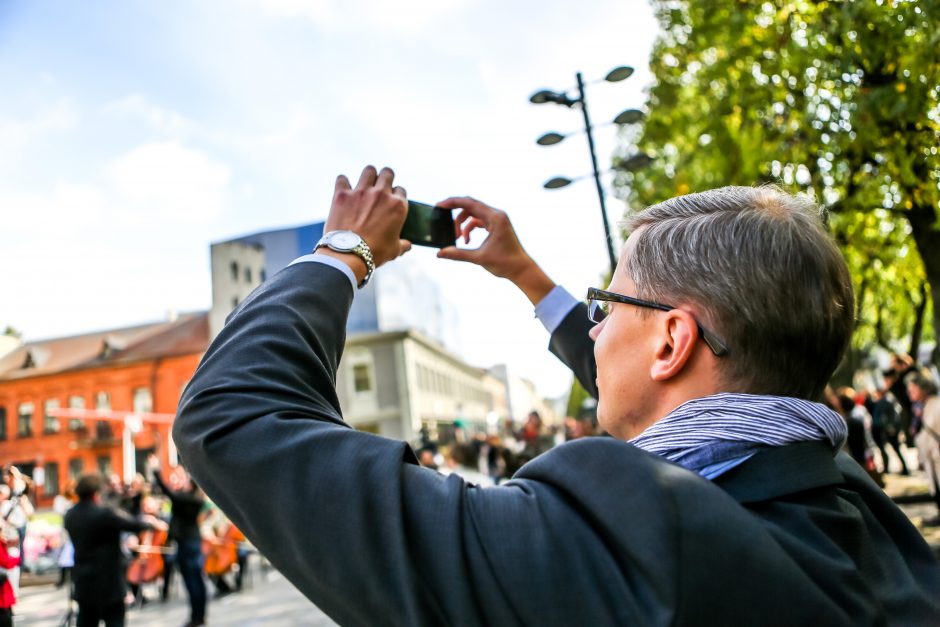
[[113, 493], [66, 558], [18, 509], [923, 392], [855, 416], [896, 373], [886, 427], [7, 594], [131, 497], [462, 461], [426, 458]]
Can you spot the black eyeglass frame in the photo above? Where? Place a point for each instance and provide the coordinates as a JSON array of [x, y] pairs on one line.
[[596, 314]]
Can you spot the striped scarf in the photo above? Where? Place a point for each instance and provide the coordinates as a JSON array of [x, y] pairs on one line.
[[704, 433]]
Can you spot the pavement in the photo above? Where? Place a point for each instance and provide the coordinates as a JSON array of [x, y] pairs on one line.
[[270, 600]]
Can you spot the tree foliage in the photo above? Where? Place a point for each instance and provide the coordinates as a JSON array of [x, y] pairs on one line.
[[835, 99]]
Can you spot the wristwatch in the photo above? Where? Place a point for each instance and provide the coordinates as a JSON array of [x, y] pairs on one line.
[[349, 242]]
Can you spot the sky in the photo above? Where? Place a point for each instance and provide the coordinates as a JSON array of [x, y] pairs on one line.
[[133, 134]]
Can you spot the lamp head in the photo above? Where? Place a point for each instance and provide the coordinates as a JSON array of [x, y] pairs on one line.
[[635, 162], [619, 73], [549, 139], [545, 95], [630, 116], [557, 182]]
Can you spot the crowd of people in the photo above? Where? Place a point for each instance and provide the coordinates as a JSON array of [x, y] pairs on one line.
[[490, 456], [122, 543], [896, 409], [15, 512]]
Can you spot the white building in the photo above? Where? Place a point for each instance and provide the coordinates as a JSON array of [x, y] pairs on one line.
[[522, 397], [395, 383]]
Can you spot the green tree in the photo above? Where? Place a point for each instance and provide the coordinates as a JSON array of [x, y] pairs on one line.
[[835, 99]]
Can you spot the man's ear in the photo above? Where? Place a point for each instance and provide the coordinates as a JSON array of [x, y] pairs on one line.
[[676, 338]]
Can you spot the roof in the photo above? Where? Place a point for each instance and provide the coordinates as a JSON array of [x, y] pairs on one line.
[[189, 333]]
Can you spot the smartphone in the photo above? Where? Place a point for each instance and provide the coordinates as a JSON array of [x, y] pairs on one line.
[[427, 225]]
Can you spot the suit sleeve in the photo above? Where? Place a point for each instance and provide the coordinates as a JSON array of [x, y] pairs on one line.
[[158, 479], [123, 521], [572, 345], [348, 517]]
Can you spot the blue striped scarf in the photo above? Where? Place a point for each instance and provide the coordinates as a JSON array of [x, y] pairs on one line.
[[720, 431]]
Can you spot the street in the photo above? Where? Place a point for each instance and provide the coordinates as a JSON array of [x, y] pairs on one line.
[[268, 600]]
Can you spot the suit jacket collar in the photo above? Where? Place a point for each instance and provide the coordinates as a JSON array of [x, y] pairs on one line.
[[778, 471]]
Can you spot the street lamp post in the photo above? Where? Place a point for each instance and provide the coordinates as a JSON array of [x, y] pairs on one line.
[[630, 116], [597, 174]]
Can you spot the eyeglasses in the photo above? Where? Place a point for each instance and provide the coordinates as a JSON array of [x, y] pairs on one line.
[[598, 309]]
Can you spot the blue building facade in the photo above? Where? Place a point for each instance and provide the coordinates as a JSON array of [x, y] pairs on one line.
[[400, 296]]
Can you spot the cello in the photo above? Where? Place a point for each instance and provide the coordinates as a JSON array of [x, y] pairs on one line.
[[222, 553], [147, 564]]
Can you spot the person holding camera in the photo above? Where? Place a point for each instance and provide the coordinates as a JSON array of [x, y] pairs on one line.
[[722, 498]]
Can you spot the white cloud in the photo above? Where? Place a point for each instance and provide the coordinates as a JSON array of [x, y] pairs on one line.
[[137, 107], [64, 205], [169, 180], [317, 11], [17, 133], [405, 17]]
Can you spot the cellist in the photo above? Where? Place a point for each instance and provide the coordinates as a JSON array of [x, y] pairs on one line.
[[148, 564], [220, 546]]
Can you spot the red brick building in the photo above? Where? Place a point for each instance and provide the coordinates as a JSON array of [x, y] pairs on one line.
[[102, 376]]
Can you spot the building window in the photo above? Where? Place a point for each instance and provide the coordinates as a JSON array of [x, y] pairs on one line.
[[234, 269], [104, 465], [76, 468], [51, 487], [103, 427], [247, 275], [263, 275], [24, 428], [3, 423], [50, 423], [76, 402], [362, 378], [103, 401], [143, 401], [234, 302]]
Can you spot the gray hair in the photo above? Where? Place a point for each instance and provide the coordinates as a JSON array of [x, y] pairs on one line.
[[761, 272]]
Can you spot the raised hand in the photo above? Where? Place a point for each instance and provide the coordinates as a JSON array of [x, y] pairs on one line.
[[501, 253], [374, 210]]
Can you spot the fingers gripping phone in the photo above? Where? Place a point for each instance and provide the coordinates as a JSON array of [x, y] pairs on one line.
[[427, 225]]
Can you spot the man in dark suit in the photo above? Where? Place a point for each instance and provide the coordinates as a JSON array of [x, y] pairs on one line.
[[729, 505], [100, 571]]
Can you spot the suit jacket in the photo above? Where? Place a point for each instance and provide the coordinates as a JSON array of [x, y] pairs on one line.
[[594, 532], [100, 571], [186, 507]]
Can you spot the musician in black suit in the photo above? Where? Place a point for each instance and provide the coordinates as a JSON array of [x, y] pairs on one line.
[[100, 571], [728, 505]]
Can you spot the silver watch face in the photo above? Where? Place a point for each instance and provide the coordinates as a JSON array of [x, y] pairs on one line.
[[347, 240]]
